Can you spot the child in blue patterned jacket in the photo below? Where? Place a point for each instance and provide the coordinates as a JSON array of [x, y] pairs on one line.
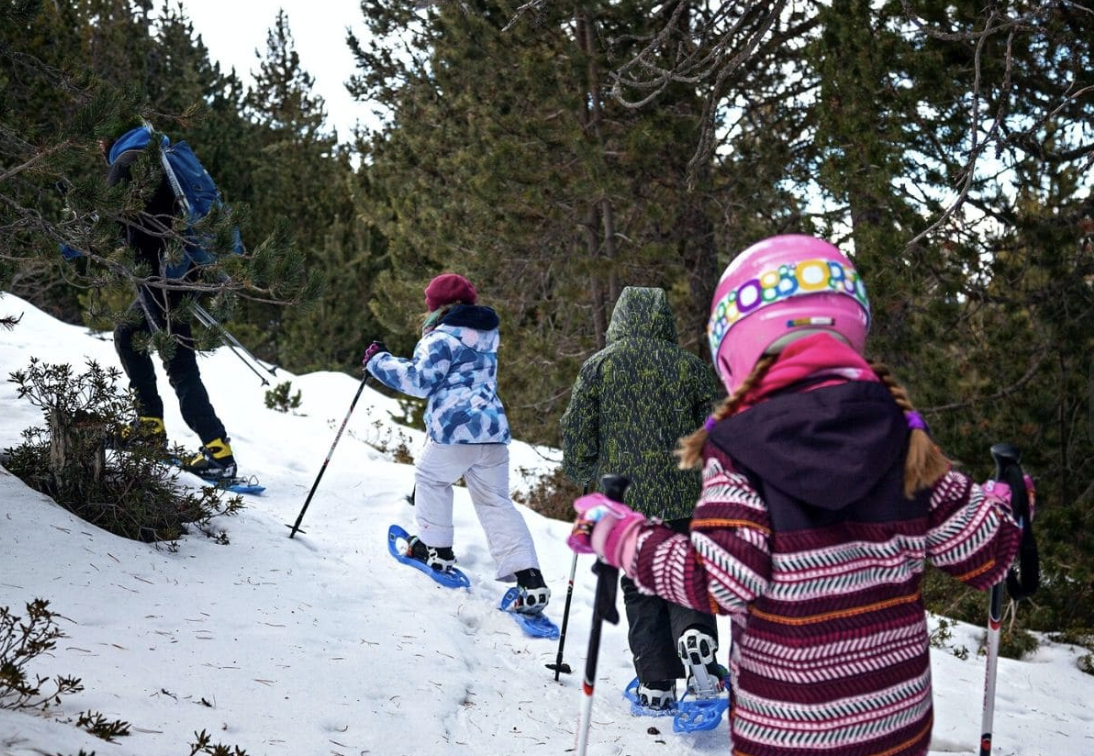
[[455, 367]]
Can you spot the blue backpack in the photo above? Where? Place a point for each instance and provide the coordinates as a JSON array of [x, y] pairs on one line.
[[194, 189]]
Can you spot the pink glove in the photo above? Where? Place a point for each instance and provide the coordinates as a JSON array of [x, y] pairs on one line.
[[373, 349], [997, 491], [604, 527], [1000, 492]]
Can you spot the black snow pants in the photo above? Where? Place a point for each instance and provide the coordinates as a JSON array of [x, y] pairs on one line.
[[182, 367], [656, 625]]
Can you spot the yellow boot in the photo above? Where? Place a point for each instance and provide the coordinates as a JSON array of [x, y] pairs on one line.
[[146, 431], [213, 462]]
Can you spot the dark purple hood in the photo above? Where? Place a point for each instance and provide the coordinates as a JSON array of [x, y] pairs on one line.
[[828, 448]]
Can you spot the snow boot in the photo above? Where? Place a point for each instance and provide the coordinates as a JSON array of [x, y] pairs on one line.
[[214, 462], [706, 678], [148, 432], [440, 558], [534, 593], [659, 695]]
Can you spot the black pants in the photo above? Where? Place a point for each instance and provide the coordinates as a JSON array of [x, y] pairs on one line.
[[182, 367], [656, 625]]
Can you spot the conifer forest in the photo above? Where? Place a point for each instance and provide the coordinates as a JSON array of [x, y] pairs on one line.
[[555, 152]]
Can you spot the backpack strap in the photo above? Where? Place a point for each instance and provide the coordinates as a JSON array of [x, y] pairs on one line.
[[172, 177]]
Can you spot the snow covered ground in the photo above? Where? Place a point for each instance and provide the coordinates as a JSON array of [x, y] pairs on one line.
[[323, 644]]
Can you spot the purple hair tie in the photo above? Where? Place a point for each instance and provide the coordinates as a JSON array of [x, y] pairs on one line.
[[710, 423], [915, 421]]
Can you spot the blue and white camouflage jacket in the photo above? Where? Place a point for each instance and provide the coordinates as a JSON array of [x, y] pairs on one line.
[[455, 367]]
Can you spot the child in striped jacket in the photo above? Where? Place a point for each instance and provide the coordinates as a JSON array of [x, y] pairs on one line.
[[823, 499]]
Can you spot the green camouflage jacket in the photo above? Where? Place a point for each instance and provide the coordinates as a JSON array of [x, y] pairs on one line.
[[631, 404]]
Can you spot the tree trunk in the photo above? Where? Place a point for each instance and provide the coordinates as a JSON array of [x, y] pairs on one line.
[[76, 454]]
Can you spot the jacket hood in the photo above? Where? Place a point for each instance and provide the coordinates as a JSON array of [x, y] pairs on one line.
[[471, 316], [475, 326], [642, 312], [828, 448]]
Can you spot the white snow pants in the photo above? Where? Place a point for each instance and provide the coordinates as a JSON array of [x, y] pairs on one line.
[[485, 469]]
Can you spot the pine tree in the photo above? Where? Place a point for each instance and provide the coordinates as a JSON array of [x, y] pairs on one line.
[[303, 187], [49, 142], [505, 158]]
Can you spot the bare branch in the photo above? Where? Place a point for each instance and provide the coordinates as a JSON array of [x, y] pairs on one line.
[[528, 8], [1031, 371]]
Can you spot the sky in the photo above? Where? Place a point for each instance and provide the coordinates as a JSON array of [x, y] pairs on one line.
[[233, 31], [323, 644]]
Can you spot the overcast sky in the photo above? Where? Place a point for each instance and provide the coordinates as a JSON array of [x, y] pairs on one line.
[[234, 31]]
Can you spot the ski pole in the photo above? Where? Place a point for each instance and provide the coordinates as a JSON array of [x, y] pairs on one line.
[[323, 469], [1008, 470], [249, 366], [206, 320], [232, 342], [559, 665], [209, 321], [607, 582], [995, 613]]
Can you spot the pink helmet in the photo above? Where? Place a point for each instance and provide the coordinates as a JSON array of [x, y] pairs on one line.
[[779, 290]]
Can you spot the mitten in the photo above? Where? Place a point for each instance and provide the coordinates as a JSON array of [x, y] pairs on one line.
[[604, 527], [373, 349], [997, 491], [1000, 492]]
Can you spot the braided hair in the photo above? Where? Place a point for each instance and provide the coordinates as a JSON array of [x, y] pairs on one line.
[[924, 462], [690, 451]]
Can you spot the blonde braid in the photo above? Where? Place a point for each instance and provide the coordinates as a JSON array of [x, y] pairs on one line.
[[690, 448], [924, 463]]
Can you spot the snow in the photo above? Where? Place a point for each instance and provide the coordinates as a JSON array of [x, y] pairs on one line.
[[324, 644]]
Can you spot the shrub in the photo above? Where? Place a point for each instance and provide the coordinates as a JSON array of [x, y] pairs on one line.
[[278, 398], [941, 636], [204, 744], [20, 642], [552, 496], [1082, 637], [133, 493], [101, 727]]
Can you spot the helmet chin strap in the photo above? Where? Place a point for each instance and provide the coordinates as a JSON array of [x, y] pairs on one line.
[[723, 369]]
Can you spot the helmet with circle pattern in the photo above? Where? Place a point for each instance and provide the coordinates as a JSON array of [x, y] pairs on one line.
[[779, 290]]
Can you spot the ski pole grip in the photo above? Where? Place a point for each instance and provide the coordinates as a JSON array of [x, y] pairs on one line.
[[614, 486], [1023, 581], [1004, 456]]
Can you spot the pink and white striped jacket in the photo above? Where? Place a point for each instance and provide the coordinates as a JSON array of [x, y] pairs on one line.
[[803, 536]]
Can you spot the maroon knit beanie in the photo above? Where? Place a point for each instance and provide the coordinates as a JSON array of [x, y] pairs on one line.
[[448, 288]]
